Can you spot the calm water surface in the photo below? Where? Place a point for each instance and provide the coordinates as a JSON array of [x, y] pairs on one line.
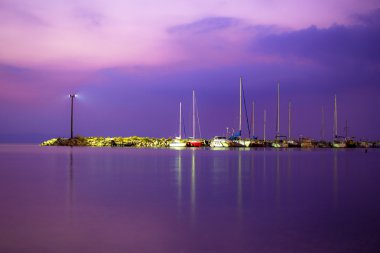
[[61, 199]]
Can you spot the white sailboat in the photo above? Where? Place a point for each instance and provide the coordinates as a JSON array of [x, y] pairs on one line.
[[178, 142], [254, 142], [219, 142], [236, 140], [280, 141], [193, 142], [338, 141], [291, 143]]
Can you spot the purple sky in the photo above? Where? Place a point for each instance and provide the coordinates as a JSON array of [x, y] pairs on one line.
[[132, 62]]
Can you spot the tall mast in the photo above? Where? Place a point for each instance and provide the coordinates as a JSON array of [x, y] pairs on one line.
[[253, 118], [278, 109], [289, 120], [72, 96], [265, 122], [240, 109], [335, 118], [180, 120], [193, 114]]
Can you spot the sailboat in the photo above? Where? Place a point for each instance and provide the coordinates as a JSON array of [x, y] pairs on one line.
[[291, 142], [254, 142], [322, 143], [235, 140], [193, 142], [219, 142], [178, 142], [350, 142], [280, 140], [338, 141]]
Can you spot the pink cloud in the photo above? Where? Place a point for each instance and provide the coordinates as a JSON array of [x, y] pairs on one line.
[[96, 34]]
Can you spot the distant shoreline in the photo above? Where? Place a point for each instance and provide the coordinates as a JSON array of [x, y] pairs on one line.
[[132, 141], [150, 142]]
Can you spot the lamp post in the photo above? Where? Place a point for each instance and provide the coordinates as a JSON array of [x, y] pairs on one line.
[[72, 96]]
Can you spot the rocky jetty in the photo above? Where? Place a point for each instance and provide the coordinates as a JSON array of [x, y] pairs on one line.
[[133, 141]]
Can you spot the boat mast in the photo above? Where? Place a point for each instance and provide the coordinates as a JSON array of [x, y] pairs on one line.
[[335, 118], [240, 109], [193, 114], [278, 110], [289, 120], [253, 118], [180, 120], [265, 123]]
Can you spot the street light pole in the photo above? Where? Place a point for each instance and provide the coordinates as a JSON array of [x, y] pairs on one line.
[[72, 96]]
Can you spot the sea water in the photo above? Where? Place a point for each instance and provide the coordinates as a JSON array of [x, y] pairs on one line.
[[80, 199]]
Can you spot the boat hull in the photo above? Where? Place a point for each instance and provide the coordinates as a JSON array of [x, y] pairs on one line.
[[177, 144], [279, 145], [294, 144], [338, 145], [219, 142], [238, 143], [195, 143], [256, 144], [307, 145]]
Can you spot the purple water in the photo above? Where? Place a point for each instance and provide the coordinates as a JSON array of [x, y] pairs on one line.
[[61, 199]]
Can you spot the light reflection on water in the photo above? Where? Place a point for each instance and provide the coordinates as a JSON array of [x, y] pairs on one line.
[[60, 199]]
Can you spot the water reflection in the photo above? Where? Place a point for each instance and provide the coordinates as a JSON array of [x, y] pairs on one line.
[[278, 178], [193, 185], [179, 176], [289, 174], [239, 186], [335, 178], [252, 179], [70, 181], [188, 200], [269, 176]]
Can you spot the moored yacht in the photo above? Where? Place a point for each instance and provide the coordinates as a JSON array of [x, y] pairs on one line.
[[256, 143], [192, 141], [178, 142], [235, 140], [280, 140], [294, 144], [306, 142], [338, 141], [350, 143], [219, 142]]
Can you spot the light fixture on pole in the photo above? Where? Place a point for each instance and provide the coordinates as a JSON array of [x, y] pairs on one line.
[[72, 96]]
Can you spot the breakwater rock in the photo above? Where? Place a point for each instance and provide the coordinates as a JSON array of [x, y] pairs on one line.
[[133, 141]]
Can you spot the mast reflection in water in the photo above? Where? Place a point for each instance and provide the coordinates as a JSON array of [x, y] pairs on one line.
[[189, 200]]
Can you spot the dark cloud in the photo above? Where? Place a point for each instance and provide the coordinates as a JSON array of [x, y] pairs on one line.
[[205, 25], [336, 44], [369, 19]]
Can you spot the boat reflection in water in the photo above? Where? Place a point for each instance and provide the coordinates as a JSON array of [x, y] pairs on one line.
[[190, 200]]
